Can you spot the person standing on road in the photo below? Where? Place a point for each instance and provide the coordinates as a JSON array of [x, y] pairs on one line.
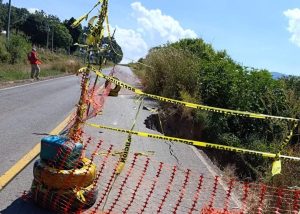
[[35, 62]]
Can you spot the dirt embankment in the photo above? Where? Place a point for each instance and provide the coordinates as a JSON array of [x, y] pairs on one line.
[[178, 122]]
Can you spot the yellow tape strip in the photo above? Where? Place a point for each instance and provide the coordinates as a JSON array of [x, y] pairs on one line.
[[124, 155], [192, 105], [276, 167], [197, 143], [289, 136]]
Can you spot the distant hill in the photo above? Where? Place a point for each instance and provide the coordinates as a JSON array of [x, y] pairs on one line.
[[277, 75]]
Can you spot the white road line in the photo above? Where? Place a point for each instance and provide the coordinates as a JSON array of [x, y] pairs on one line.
[[41, 81], [214, 173], [203, 160]]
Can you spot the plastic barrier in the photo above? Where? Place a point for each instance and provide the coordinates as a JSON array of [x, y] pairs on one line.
[[59, 199], [146, 185], [113, 92], [65, 179], [57, 149]]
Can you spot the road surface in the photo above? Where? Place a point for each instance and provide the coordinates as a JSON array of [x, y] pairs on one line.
[[32, 109], [39, 107]]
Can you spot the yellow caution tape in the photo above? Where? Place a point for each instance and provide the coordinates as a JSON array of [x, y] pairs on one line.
[[153, 110], [289, 136], [192, 105], [276, 167], [147, 153], [78, 21], [92, 20], [197, 143], [117, 153], [120, 167], [125, 152], [80, 195]]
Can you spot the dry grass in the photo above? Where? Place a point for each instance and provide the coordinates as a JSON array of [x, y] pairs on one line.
[[69, 66], [289, 176], [139, 70], [53, 66]]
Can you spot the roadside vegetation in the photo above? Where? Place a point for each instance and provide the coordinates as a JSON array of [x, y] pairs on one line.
[[15, 66], [191, 70], [53, 38]]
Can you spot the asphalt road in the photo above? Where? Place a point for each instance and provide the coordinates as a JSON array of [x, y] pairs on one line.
[[32, 109], [58, 98]]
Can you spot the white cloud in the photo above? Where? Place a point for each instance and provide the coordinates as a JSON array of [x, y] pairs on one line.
[[132, 44], [32, 10], [294, 24], [155, 22], [154, 28]]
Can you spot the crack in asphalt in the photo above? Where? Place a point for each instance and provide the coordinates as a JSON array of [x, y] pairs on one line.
[[171, 151]]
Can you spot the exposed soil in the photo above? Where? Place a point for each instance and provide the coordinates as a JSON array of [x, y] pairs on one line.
[[176, 122]]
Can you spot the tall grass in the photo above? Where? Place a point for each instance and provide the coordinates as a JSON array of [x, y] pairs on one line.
[[53, 65], [10, 72], [172, 72]]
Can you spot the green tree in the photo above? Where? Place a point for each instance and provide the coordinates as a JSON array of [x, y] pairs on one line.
[[18, 16], [292, 83], [62, 37], [35, 28], [114, 51], [2, 16], [76, 33]]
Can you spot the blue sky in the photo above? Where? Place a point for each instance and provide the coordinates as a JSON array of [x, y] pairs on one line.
[[256, 33]]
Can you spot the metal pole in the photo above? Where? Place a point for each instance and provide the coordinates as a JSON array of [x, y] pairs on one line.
[[69, 49], [114, 33], [52, 37], [48, 30], [8, 20]]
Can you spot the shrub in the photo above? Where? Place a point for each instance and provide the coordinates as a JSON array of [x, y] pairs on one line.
[[4, 55], [18, 47], [69, 66], [193, 71], [171, 71]]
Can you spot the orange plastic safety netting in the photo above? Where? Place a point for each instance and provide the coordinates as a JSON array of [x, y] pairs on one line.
[[147, 185]]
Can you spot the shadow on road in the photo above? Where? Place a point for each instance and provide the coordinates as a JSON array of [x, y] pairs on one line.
[[24, 207]]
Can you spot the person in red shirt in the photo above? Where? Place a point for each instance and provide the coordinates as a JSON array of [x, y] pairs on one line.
[[35, 62]]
